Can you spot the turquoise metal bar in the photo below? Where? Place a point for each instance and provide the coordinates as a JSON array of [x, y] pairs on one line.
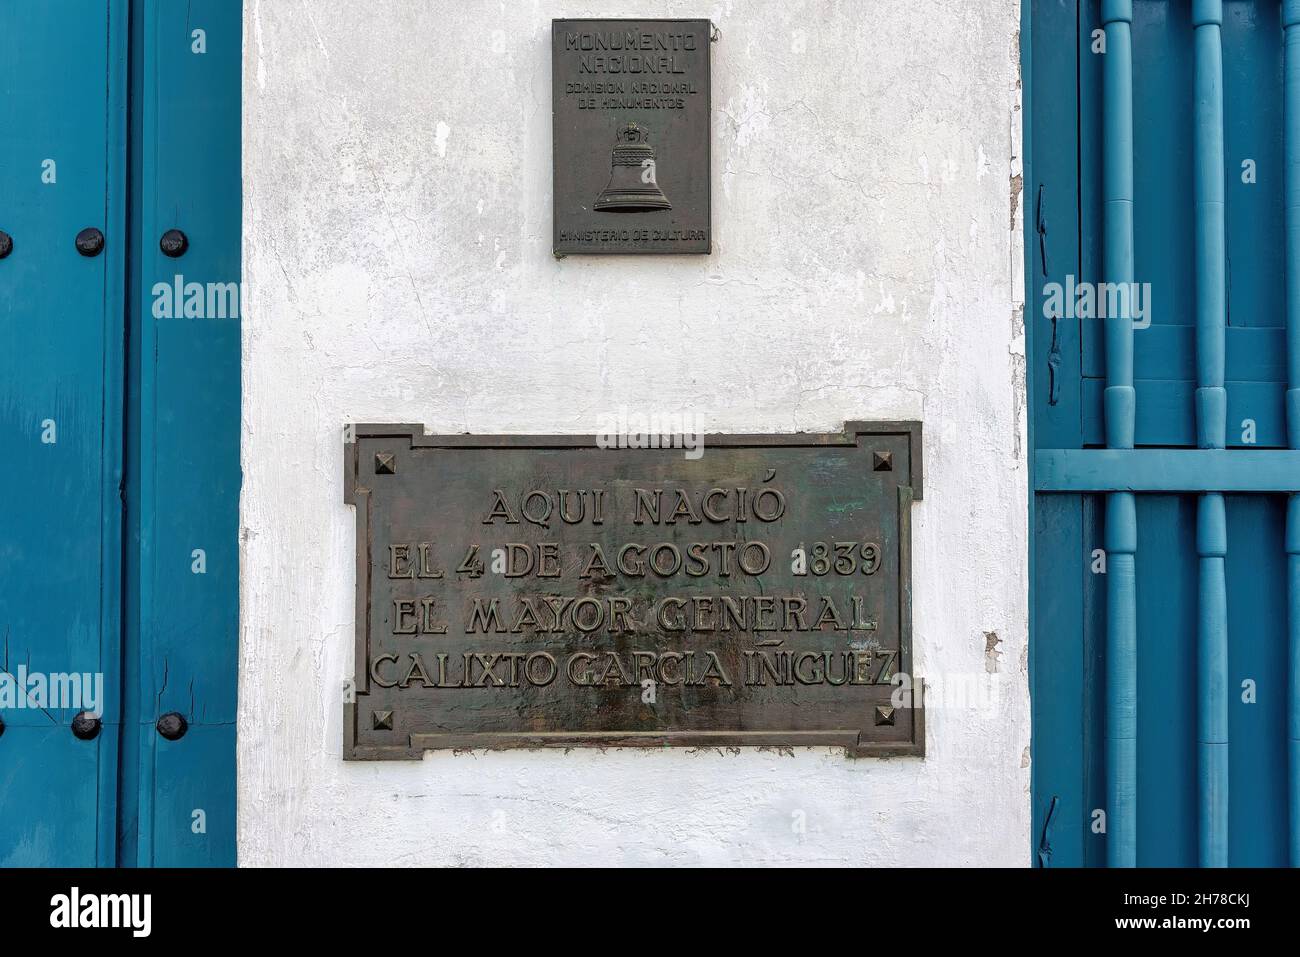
[[1291, 113], [1117, 187], [1212, 679], [1211, 431], [1293, 701], [1121, 679], [1211, 287], [1120, 406], [1166, 470]]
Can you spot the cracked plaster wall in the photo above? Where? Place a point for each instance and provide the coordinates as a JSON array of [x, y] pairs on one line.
[[398, 268]]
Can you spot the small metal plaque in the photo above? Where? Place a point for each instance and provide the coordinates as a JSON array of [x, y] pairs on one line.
[[631, 124], [528, 591]]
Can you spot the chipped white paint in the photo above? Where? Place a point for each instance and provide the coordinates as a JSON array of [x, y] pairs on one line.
[[864, 267], [260, 70]]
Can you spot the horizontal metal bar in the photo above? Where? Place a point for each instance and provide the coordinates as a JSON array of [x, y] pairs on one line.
[[1166, 470]]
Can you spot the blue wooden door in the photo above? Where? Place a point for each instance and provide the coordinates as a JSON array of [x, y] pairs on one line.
[[62, 85], [1163, 158], [119, 431]]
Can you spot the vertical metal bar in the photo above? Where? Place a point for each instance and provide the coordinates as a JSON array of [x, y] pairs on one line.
[[1291, 114], [1120, 405], [1293, 617], [1211, 433], [1121, 680], [1212, 681]]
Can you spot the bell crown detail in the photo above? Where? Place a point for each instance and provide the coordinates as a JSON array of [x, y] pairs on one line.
[[631, 133]]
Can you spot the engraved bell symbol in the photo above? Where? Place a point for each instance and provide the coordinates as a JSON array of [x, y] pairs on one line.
[[632, 182]]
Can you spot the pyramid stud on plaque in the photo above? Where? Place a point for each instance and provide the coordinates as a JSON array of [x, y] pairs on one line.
[[385, 463], [882, 461]]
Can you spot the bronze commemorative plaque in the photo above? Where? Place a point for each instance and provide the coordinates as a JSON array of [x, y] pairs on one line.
[[630, 115], [529, 591]]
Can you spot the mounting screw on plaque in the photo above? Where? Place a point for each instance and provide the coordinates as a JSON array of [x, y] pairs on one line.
[[6, 244], [884, 715], [385, 463], [882, 461], [383, 721]]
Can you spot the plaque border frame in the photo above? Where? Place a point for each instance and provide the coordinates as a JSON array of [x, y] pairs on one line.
[[357, 494]]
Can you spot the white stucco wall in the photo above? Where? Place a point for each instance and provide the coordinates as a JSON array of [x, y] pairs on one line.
[[397, 230]]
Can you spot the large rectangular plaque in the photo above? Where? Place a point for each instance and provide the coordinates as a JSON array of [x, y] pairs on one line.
[[630, 129], [528, 591]]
